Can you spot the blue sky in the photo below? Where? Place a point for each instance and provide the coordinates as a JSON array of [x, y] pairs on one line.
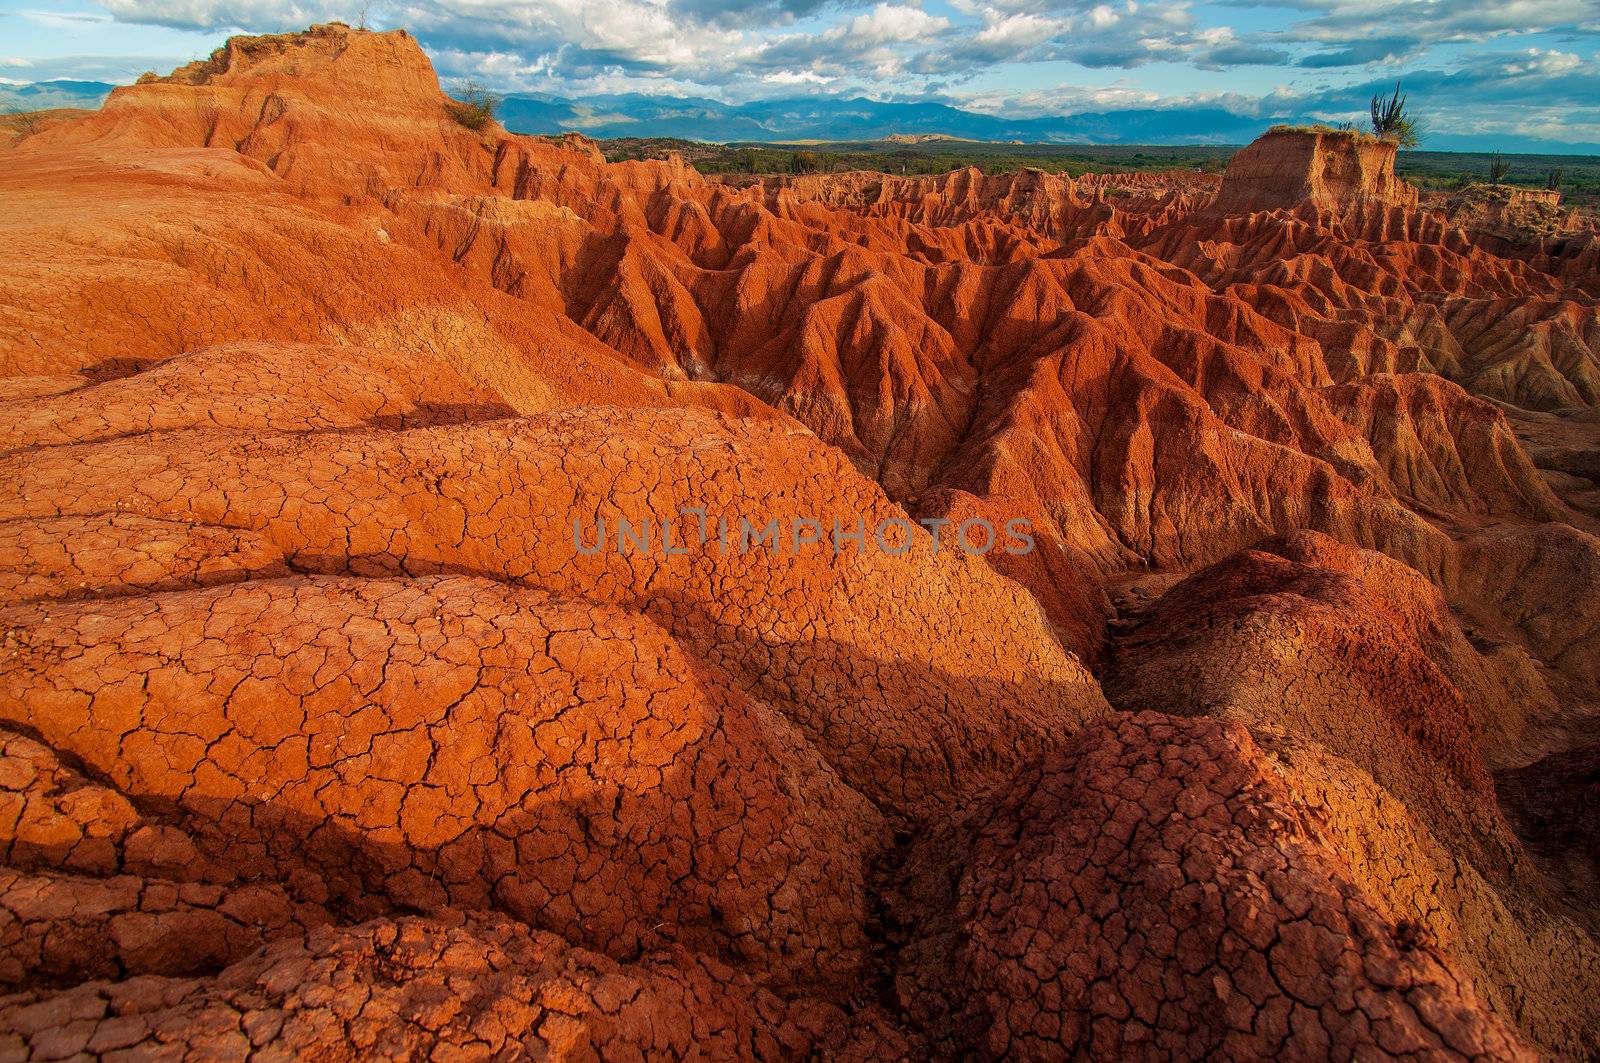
[[1531, 67]]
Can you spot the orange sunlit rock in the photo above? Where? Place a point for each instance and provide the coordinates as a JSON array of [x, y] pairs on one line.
[[342, 717]]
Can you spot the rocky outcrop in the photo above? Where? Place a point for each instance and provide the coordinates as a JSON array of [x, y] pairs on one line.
[[1324, 168], [1544, 582], [421, 988], [1442, 449], [1151, 892], [326, 732], [1510, 212], [1381, 715]]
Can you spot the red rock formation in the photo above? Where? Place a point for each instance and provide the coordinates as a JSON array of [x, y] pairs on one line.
[[1512, 213], [1443, 450], [454, 988], [1329, 169], [1151, 892], [322, 735], [1352, 669]]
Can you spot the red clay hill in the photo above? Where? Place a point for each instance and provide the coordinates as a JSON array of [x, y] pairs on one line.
[[322, 737], [1331, 169]]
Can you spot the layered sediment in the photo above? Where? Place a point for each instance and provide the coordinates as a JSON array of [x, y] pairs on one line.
[[1329, 169]]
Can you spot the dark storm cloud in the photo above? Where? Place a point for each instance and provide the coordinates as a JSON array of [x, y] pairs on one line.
[[1239, 54], [1381, 49], [740, 14], [1531, 79]]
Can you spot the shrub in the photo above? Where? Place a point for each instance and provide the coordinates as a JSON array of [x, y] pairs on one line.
[[1498, 168], [1342, 129], [1552, 180], [804, 162], [476, 106], [24, 123]]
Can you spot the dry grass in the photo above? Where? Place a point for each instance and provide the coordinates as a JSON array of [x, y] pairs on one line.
[[1358, 135], [22, 123]]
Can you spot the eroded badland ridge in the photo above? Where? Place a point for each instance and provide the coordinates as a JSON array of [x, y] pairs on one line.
[[321, 739]]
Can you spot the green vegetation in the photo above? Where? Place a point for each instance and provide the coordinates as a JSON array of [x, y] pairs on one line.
[[928, 157], [1342, 129], [1448, 171], [1498, 168], [1432, 171], [475, 107], [1391, 122]]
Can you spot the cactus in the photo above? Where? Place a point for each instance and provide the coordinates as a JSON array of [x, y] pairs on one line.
[[1390, 120]]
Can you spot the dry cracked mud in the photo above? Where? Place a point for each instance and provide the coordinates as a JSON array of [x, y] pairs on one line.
[[322, 736]]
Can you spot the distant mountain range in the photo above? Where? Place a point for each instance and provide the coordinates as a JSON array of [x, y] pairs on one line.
[[855, 118], [840, 118], [39, 95]]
